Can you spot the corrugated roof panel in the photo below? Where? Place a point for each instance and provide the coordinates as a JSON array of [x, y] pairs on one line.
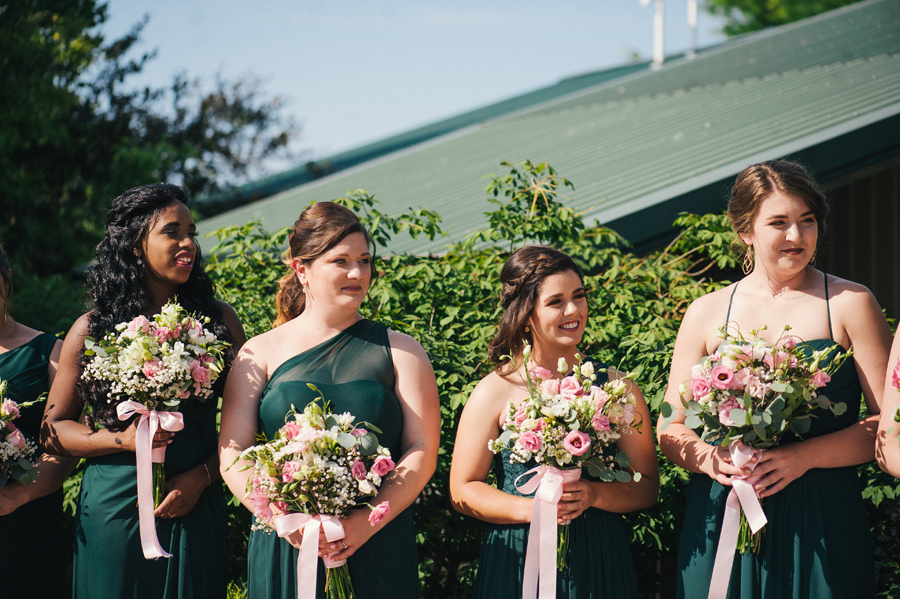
[[627, 151]]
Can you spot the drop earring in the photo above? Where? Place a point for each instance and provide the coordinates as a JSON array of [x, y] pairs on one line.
[[137, 253], [747, 265]]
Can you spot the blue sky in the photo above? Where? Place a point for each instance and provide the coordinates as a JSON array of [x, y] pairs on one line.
[[352, 72]]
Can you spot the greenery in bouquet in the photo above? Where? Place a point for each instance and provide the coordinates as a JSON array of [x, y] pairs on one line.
[[158, 362], [567, 422], [17, 460], [318, 463], [757, 394]]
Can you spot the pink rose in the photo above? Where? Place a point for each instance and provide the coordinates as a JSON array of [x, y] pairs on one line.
[[788, 343], [10, 408], [628, 417], [140, 323], [725, 411], [358, 469], [152, 368], [540, 373], [570, 388], [741, 377], [755, 387], [550, 387], [290, 469], [577, 442], [291, 430], [383, 464], [379, 512], [15, 437], [529, 442], [600, 422], [821, 378], [700, 387], [721, 377]]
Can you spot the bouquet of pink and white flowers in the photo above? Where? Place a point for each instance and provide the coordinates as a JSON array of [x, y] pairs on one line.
[[321, 465], [895, 380], [568, 423], [157, 363], [16, 452], [755, 394]]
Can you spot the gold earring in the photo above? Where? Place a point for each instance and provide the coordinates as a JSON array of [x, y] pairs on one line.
[[812, 261], [747, 265], [137, 253], [527, 330]]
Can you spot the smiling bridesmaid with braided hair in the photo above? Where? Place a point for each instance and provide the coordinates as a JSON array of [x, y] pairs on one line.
[[545, 306]]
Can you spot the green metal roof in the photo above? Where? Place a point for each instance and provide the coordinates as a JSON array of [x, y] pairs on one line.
[[645, 146]]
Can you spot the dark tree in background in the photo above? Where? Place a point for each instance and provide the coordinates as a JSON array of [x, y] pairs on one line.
[[74, 132], [745, 16]]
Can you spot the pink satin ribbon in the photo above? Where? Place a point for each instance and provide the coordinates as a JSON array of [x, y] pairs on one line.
[[741, 497], [149, 423], [540, 558], [309, 547]]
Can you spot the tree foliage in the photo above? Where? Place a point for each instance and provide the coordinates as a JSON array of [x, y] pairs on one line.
[[744, 16], [74, 133]]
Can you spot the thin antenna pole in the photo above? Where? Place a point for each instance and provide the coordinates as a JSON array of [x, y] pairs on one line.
[[692, 23], [658, 21]]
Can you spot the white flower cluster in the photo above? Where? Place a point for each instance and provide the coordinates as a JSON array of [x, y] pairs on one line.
[[318, 463], [160, 361]]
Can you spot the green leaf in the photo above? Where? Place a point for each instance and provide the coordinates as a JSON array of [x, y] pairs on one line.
[[346, 440], [622, 476], [368, 444]]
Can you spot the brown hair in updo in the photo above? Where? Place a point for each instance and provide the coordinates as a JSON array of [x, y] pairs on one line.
[[320, 227], [758, 181], [522, 277]]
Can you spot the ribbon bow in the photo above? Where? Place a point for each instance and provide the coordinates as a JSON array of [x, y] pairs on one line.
[[309, 546], [149, 423], [742, 496], [540, 557]]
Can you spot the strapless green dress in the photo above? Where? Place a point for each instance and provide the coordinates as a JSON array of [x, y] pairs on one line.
[[599, 561], [355, 372], [109, 562], [36, 528], [817, 543]]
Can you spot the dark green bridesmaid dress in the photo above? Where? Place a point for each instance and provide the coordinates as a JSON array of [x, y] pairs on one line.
[[355, 372], [817, 543], [36, 528], [599, 560], [109, 562]]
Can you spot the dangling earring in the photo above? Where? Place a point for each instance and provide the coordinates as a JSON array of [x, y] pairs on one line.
[[747, 265], [137, 253], [812, 261]]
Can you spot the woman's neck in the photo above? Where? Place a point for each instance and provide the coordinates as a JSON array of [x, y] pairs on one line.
[[549, 357], [329, 318], [777, 285]]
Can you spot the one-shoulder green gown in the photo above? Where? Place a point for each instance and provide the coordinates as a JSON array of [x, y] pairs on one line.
[[355, 372], [109, 562], [36, 528], [599, 559], [816, 544]]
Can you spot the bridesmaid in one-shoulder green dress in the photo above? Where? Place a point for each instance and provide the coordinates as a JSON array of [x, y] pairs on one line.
[[378, 375], [355, 373]]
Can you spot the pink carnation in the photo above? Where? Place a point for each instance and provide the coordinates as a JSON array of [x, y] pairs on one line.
[[379, 512], [550, 387], [529, 442], [290, 469], [383, 464], [577, 442], [600, 422], [152, 368], [201, 375], [140, 323], [291, 430], [520, 415], [725, 411], [260, 504], [599, 397], [570, 388]]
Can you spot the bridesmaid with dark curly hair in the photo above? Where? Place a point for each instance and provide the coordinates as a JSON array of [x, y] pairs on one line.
[[148, 257]]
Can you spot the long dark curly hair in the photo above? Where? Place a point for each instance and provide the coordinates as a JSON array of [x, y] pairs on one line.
[[116, 284]]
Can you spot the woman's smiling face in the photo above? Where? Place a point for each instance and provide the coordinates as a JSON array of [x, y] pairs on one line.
[[169, 248], [784, 236], [560, 312]]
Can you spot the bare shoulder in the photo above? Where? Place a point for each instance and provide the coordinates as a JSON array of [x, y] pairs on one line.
[[80, 327], [710, 305], [848, 294], [494, 391], [405, 344]]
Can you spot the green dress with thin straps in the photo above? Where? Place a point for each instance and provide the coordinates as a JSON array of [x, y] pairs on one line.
[[599, 560], [355, 372], [35, 530], [109, 562], [816, 544]]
